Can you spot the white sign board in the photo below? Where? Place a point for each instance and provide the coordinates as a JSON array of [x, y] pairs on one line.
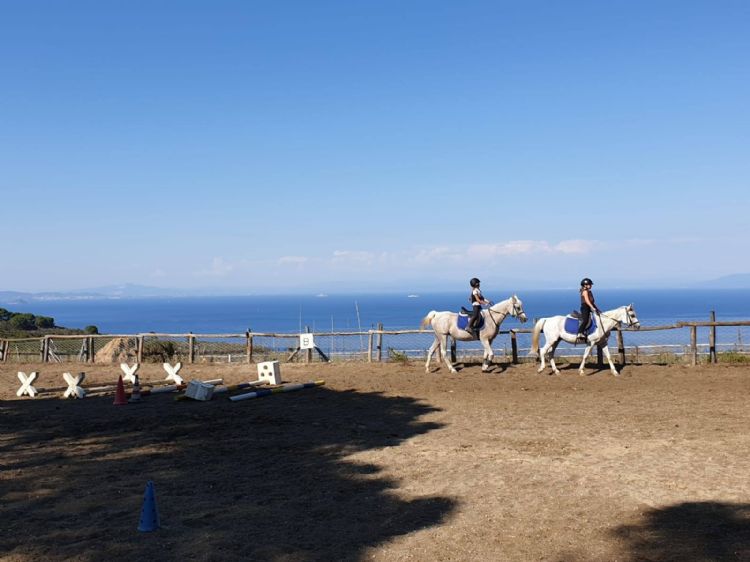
[[306, 341]]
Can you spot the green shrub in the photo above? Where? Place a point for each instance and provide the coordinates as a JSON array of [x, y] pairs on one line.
[[159, 351], [22, 322], [397, 356], [43, 322], [732, 357], [91, 330]]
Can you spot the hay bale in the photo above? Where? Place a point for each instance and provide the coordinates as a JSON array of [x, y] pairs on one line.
[[117, 350]]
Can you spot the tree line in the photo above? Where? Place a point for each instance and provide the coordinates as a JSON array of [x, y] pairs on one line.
[[27, 324]]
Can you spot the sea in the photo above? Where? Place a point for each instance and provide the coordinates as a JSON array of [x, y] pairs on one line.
[[295, 313]]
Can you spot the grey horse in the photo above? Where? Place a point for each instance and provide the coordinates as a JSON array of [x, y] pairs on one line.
[[446, 324]]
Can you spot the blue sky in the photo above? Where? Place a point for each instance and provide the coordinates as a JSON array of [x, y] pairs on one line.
[[336, 145]]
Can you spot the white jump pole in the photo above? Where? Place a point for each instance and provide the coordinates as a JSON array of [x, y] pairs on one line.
[[268, 392]]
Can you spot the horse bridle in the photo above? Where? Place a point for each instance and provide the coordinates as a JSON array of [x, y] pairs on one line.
[[515, 312], [628, 322]]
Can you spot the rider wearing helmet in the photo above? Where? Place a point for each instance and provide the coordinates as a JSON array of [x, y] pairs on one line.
[[477, 300], [587, 305]]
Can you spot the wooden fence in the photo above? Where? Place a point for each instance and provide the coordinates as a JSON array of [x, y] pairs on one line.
[[250, 347]]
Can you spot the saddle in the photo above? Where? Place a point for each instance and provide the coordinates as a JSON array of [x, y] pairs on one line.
[[572, 322], [463, 320]]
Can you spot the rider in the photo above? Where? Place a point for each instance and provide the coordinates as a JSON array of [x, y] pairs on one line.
[[477, 300], [587, 305]]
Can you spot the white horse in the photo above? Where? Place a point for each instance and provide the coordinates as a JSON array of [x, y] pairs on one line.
[[446, 324], [554, 331]]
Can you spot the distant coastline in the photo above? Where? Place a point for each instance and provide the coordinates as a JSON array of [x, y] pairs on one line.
[[135, 291]]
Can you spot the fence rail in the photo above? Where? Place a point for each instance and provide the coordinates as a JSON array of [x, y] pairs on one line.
[[681, 342]]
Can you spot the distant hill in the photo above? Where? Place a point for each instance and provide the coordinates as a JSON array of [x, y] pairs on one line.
[[127, 290], [734, 281]]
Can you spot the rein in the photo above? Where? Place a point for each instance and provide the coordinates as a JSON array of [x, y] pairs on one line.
[[504, 314]]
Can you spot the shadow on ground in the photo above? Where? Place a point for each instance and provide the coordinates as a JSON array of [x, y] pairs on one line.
[[690, 531], [266, 479]]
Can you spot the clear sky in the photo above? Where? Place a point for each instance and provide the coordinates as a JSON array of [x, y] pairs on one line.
[[338, 145]]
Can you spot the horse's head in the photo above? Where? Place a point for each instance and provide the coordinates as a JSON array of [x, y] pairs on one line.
[[517, 309], [630, 318]]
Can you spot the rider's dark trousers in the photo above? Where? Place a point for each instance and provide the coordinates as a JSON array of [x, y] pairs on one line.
[[585, 315], [476, 310]]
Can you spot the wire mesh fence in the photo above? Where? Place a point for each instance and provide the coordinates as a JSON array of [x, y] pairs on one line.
[[689, 342]]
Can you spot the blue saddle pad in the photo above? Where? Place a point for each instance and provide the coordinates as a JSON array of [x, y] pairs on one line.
[[463, 321], [571, 325]]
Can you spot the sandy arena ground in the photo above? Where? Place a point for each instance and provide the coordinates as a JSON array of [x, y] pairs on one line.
[[385, 463]]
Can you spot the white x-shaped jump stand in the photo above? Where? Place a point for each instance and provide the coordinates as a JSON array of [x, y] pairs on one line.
[[26, 384], [129, 372], [74, 389], [172, 372]]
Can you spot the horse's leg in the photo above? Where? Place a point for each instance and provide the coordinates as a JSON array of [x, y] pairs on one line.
[[609, 360], [444, 353], [552, 364], [430, 351], [543, 355], [488, 355], [586, 353]]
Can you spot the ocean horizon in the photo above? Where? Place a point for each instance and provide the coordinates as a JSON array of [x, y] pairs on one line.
[[294, 313]]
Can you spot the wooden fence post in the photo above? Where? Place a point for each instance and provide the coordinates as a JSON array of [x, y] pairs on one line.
[[694, 344], [191, 348], [139, 348], [3, 347], [43, 350], [621, 348], [514, 347], [249, 350], [370, 335], [92, 350], [308, 352], [380, 341], [712, 340]]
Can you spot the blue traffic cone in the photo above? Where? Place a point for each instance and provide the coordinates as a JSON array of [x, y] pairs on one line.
[[149, 513]]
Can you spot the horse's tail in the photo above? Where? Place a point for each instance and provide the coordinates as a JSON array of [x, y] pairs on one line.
[[535, 337], [427, 320]]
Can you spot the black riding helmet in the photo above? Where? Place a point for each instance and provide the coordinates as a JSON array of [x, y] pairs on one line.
[[474, 282], [586, 281]]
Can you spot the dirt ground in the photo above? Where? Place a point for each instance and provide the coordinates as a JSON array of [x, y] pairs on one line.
[[385, 463]]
